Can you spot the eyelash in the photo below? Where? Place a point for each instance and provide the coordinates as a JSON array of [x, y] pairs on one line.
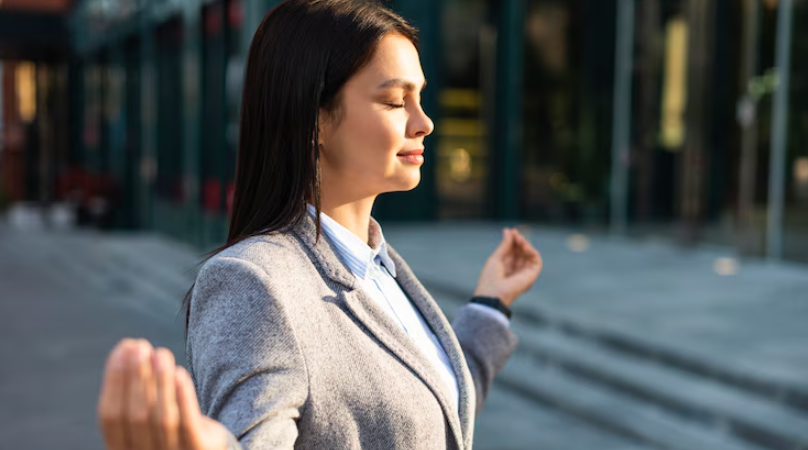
[[396, 105]]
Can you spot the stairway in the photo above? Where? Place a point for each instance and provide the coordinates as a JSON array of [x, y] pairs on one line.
[[661, 397], [643, 392]]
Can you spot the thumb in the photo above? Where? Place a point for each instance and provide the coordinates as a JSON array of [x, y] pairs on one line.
[[199, 432], [190, 413]]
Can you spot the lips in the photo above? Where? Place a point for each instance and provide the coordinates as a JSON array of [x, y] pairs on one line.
[[417, 151]]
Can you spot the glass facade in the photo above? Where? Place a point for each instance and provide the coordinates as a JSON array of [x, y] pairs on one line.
[[795, 219], [168, 60], [522, 94], [465, 110], [568, 82]]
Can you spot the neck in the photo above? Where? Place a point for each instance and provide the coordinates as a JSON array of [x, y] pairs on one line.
[[352, 214]]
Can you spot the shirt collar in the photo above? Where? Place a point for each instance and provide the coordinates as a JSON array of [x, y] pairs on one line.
[[357, 254]]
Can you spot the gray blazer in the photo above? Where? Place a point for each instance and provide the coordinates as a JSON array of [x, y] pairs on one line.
[[287, 351]]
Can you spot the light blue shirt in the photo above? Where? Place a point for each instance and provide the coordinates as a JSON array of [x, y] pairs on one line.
[[375, 271]]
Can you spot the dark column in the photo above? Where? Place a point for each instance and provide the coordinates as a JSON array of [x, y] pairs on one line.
[[506, 139]]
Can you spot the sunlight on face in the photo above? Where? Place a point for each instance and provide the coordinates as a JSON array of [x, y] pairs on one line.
[[374, 146]]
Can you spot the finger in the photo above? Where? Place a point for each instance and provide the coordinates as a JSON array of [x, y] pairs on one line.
[[534, 261], [509, 261], [529, 260], [519, 252], [525, 232], [190, 414], [141, 397], [505, 244], [113, 396], [522, 240], [528, 252], [165, 414], [534, 254]]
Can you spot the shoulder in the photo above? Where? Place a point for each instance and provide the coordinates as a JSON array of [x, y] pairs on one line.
[[267, 261], [268, 252], [262, 249]]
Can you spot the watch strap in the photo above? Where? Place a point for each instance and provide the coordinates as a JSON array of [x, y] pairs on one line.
[[493, 302]]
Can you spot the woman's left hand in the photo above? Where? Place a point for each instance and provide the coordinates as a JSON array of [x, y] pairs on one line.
[[149, 403], [511, 269]]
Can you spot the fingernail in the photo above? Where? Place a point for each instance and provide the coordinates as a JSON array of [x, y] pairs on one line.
[[119, 357], [181, 374], [142, 354]]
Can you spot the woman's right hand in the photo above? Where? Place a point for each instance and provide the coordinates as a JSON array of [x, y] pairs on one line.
[[147, 402], [511, 269]]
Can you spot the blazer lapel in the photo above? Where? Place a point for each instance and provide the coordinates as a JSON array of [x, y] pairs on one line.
[[445, 334], [390, 334], [403, 347]]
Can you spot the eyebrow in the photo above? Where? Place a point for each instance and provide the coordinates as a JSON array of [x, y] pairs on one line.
[[400, 83]]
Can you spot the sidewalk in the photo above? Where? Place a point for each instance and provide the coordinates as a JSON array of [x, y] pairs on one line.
[[671, 348], [627, 345], [755, 321], [67, 298]]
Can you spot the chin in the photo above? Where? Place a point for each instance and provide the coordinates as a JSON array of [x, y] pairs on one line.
[[407, 182], [413, 181]]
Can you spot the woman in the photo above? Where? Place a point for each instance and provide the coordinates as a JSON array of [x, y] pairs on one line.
[[307, 329]]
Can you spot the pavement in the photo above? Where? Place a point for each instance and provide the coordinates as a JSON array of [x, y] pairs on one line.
[[748, 314], [736, 326]]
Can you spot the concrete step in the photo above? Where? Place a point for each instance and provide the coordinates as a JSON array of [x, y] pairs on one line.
[[612, 410], [689, 359], [703, 401], [511, 421], [691, 400], [593, 372], [686, 359]]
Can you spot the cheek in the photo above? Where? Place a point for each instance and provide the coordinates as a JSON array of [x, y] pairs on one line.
[[373, 137]]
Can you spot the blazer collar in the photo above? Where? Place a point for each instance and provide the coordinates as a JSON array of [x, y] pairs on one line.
[[391, 336], [357, 254]]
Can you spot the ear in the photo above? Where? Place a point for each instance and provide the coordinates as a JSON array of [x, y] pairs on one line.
[[324, 127]]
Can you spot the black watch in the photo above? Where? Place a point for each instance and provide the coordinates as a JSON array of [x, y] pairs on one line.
[[493, 302]]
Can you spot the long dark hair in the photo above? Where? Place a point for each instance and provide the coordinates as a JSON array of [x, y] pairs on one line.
[[302, 54]]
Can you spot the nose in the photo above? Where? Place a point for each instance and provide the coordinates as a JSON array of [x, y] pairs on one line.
[[420, 125]]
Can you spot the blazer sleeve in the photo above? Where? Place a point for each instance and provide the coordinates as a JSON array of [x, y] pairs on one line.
[[244, 357], [487, 344]]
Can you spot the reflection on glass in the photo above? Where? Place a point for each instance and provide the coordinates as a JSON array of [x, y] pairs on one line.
[[674, 88], [462, 157], [801, 180], [796, 208], [567, 110], [26, 90]]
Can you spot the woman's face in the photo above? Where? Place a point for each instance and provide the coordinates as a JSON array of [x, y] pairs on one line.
[[376, 143]]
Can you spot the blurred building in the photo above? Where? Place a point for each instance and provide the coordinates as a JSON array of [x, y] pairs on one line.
[[523, 93], [34, 47]]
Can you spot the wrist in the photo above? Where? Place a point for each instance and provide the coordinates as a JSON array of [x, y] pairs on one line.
[[506, 299], [492, 302]]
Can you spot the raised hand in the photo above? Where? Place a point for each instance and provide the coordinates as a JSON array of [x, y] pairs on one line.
[[511, 269], [147, 402]]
